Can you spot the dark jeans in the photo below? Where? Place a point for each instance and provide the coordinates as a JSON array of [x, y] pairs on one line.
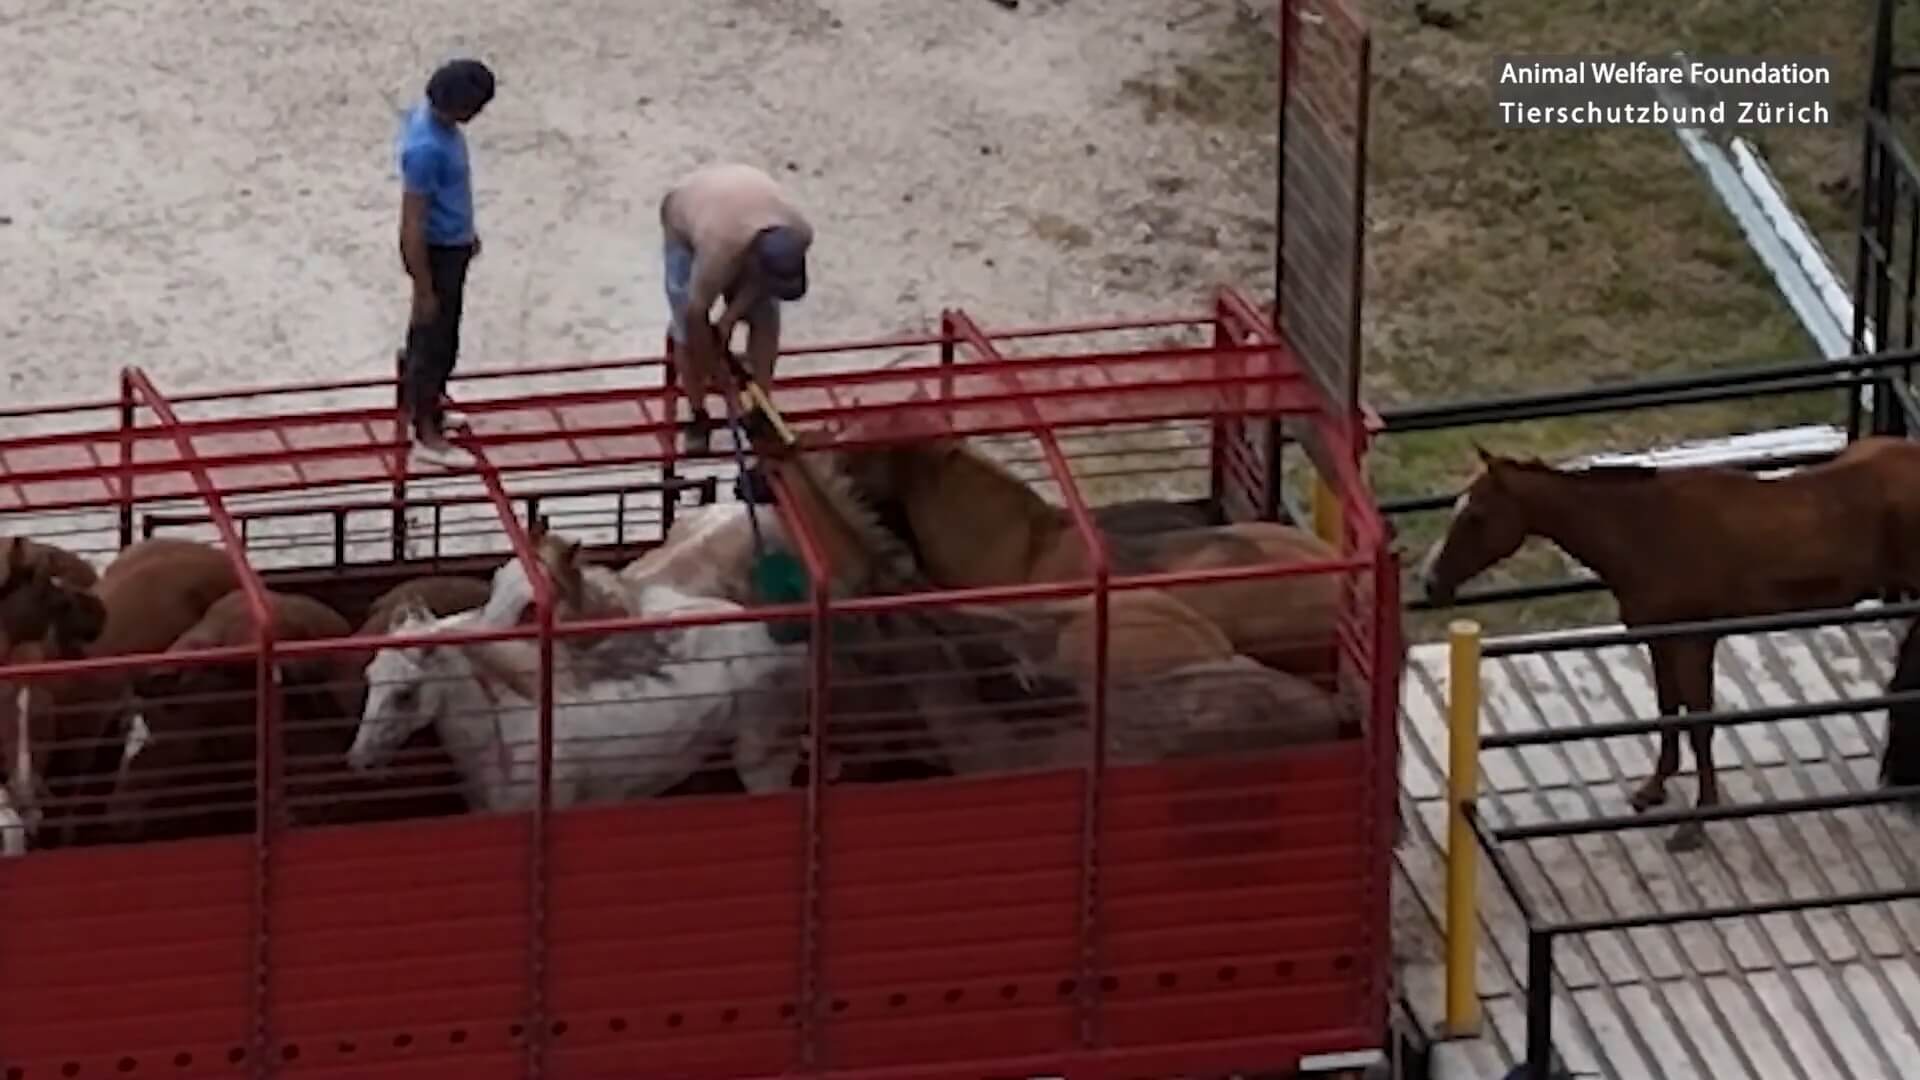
[[433, 347]]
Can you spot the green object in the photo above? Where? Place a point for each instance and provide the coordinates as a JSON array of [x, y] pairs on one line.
[[779, 578]]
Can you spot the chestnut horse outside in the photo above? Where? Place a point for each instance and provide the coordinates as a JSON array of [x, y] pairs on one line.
[[1699, 543]]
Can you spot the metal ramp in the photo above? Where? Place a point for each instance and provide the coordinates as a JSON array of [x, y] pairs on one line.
[[1802, 995]]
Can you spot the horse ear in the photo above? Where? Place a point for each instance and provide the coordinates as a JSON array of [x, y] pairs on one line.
[[415, 612], [1485, 458], [569, 553], [539, 529]]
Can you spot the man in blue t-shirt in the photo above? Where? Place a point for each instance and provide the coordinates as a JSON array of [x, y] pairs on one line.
[[437, 241]]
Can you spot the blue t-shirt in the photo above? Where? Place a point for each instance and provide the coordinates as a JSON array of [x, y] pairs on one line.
[[433, 162]]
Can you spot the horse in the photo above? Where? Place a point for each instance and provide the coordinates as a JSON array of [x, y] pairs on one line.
[[1159, 648], [46, 611], [971, 523], [708, 552], [613, 738], [875, 740], [425, 781], [188, 766], [1698, 543], [149, 595], [45, 591]]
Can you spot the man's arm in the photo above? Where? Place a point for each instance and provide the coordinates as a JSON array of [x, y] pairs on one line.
[[763, 344], [743, 301], [420, 173], [707, 280]]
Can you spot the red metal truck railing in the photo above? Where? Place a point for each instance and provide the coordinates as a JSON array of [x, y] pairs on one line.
[[219, 449]]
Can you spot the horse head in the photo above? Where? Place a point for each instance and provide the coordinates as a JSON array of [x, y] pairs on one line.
[[884, 447], [406, 689], [512, 591], [42, 600], [1489, 523]]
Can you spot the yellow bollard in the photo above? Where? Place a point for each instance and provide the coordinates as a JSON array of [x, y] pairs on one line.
[[1463, 853], [1325, 505]]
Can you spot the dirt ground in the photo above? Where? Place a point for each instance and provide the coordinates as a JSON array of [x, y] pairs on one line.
[[210, 191]]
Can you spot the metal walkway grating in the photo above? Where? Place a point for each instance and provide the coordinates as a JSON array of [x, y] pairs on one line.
[[1826, 993]]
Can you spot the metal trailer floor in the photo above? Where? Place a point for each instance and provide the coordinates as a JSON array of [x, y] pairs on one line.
[[1824, 994]]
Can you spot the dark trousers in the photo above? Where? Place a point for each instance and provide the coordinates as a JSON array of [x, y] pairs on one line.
[[434, 346]]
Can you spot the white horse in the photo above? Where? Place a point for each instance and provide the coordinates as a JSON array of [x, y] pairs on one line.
[[19, 819], [613, 738], [708, 552], [21, 794]]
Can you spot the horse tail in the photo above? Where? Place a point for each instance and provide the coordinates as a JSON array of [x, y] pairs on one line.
[[1900, 764]]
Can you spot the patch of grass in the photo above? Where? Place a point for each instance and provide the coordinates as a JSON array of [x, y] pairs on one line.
[[1510, 260], [1231, 86]]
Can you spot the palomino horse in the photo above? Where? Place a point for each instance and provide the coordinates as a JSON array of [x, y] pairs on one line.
[[972, 523], [1176, 683], [1687, 544]]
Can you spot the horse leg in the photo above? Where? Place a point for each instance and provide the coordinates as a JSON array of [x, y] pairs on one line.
[[1900, 761], [1654, 791], [1693, 666], [765, 760]]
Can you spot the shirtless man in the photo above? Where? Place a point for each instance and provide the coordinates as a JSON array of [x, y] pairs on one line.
[[730, 234]]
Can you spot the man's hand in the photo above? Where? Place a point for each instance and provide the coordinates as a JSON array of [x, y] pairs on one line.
[[476, 245], [425, 305]]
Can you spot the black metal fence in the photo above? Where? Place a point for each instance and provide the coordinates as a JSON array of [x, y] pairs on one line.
[[1542, 933], [1885, 372]]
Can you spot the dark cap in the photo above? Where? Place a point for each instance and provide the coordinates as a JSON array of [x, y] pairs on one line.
[[781, 253], [460, 87]]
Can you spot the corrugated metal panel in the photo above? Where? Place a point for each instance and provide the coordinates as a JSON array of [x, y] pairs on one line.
[[1807, 996]]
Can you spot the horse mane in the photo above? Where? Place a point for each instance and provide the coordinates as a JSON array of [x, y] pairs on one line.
[[837, 490], [597, 588], [1586, 472]]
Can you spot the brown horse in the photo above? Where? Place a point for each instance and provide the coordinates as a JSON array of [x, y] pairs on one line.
[[46, 611], [1686, 544], [44, 593], [151, 594], [195, 761], [972, 524], [1176, 683], [201, 721]]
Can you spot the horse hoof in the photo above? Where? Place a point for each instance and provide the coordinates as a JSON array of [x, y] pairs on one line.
[[1688, 837], [1648, 796]]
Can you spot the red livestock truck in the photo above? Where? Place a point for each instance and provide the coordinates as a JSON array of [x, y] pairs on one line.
[[1194, 915]]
